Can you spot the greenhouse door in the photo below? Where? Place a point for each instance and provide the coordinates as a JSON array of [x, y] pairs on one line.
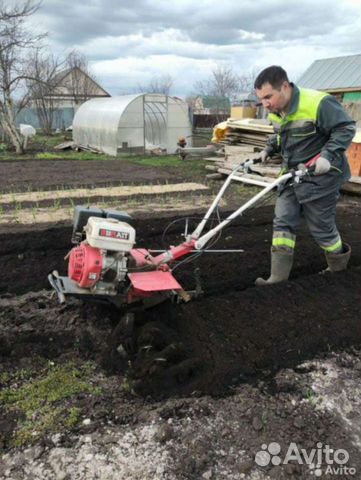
[[155, 120]]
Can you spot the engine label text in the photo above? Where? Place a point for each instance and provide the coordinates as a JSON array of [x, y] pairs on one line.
[[104, 232]]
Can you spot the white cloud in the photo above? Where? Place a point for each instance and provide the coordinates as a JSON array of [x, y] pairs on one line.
[[132, 71], [128, 42]]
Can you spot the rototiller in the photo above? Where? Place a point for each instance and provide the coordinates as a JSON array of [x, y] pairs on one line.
[[105, 266]]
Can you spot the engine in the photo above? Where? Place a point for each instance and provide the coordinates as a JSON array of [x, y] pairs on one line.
[[100, 261], [103, 266]]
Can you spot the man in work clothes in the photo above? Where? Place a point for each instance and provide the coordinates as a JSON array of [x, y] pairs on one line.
[[307, 124]]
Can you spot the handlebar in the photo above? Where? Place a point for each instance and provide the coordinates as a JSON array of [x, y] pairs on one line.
[[197, 241]]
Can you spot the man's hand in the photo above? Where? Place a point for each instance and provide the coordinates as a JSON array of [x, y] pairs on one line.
[[264, 155], [322, 166]]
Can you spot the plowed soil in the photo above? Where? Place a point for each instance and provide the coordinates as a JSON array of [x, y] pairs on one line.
[[21, 175], [236, 341], [235, 329]]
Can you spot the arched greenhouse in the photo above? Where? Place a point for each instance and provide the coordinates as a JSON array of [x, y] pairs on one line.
[[132, 123]]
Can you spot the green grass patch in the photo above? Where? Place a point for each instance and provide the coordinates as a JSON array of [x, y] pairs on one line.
[[47, 156], [60, 155], [49, 141], [46, 144], [43, 404], [155, 161], [72, 155]]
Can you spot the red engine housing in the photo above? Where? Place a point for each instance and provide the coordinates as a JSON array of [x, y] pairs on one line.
[[85, 265]]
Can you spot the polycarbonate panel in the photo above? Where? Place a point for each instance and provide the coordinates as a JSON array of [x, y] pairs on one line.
[[179, 123], [132, 121], [96, 123], [131, 125], [155, 120]]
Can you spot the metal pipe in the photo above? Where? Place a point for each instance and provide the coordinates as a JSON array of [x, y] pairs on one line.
[[206, 251], [197, 232], [205, 238]]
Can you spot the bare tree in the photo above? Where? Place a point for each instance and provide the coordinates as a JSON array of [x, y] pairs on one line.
[[81, 83], [158, 84], [43, 71], [247, 80], [15, 44], [224, 82]]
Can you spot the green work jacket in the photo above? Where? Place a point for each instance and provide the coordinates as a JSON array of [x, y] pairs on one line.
[[315, 123]]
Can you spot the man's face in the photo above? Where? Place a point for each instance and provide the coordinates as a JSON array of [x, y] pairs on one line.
[[276, 101]]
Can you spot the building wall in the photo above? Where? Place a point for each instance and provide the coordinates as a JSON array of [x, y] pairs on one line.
[[63, 118], [354, 110], [352, 97]]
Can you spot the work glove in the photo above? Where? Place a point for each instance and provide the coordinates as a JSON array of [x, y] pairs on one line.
[[264, 155], [322, 166]]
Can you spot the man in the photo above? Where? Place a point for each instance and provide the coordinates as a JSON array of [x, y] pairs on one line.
[[307, 124]]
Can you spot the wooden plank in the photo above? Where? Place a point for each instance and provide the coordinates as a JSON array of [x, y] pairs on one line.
[[253, 126], [248, 176], [231, 164], [65, 145], [355, 180], [350, 187], [236, 149], [249, 181], [242, 157], [214, 176], [268, 171]]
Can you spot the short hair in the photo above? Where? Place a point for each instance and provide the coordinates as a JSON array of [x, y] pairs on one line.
[[273, 75]]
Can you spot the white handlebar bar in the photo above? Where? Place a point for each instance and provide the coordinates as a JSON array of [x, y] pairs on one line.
[[202, 240]]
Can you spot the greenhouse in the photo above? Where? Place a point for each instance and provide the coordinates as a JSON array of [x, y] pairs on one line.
[[132, 123]]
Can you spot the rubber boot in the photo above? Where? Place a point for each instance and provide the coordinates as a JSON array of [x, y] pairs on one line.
[[338, 261], [281, 265]]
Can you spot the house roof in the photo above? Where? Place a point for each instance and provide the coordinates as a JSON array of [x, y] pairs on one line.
[[59, 77], [338, 73], [248, 97]]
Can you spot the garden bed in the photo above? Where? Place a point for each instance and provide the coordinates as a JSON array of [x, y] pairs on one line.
[[255, 365]]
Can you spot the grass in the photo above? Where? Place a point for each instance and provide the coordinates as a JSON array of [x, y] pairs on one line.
[[42, 404], [38, 142], [47, 143], [126, 385], [72, 155], [166, 161], [162, 161], [312, 398], [188, 168]]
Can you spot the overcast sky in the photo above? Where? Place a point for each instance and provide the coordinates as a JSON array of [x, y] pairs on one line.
[[129, 42]]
